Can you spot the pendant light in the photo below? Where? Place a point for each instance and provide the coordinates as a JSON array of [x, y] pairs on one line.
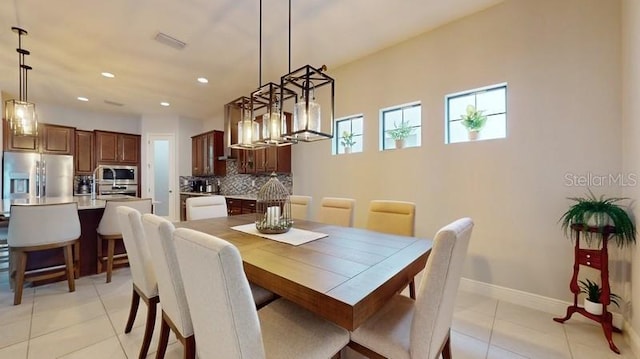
[[21, 114]]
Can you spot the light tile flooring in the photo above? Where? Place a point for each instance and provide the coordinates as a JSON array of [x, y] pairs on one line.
[[89, 323]]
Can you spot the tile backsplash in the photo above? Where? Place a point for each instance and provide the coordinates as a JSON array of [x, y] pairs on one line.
[[237, 183]]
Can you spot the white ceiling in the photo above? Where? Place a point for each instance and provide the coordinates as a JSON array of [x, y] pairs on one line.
[[73, 41]]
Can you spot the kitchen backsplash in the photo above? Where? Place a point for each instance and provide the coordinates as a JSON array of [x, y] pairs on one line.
[[236, 183]]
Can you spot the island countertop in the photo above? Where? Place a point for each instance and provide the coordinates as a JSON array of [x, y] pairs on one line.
[[84, 202]]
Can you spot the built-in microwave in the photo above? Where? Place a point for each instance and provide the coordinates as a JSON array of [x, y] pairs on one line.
[[121, 174]]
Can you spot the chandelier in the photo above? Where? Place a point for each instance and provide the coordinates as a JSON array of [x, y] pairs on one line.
[[280, 114], [21, 114]]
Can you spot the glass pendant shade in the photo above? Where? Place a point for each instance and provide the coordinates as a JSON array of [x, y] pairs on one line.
[[248, 131], [242, 131], [21, 116], [306, 118], [272, 124]]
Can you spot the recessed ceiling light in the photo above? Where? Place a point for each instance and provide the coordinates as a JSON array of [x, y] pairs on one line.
[[108, 74], [165, 104], [80, 98], [203, 80]]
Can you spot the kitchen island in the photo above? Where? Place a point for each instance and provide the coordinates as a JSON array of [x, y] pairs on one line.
[[90, 212]]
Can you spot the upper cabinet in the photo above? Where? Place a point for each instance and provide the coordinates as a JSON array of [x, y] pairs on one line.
[[51, 139], [206, 148], [117, 148], [85, 150], [266, 160]]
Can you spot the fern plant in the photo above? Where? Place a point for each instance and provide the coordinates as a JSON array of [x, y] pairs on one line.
[[590, 212], [593, 292]]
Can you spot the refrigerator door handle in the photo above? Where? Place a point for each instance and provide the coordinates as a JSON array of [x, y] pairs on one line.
[[43, 178], [37, 179]]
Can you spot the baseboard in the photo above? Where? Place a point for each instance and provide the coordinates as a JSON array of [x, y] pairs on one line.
[[533, 301]]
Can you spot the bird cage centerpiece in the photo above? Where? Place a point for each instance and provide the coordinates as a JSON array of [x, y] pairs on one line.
[[273, 208]]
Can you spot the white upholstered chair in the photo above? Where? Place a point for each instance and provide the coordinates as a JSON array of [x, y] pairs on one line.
[[109, 232], [337, 211], [300, 207], [39, 227], [145, 285], [175, 310], [206, 207], [420, 328], [225, 320], [393, 217]]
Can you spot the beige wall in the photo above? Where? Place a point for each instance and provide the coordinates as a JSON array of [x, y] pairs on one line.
[[631, 130], [561, 60]]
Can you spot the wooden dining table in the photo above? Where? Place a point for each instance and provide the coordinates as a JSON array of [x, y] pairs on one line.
[[344, 277]]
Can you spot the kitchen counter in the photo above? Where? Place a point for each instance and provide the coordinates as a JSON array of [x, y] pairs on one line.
[[236, 196], [84, 202]]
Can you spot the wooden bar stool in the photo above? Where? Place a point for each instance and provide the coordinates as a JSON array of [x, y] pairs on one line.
[[109, 231], [42, 227]]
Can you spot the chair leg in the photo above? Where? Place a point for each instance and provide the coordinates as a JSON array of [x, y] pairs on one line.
[[446, 350], [412, 289], [110, 253], [148, 329], [21, 268], [99, 264], [135, 303], [190, 347], [76, 259], [164, 339], [68, 260]]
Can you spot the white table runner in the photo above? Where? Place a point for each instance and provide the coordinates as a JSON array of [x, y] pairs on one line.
[[294, 237]]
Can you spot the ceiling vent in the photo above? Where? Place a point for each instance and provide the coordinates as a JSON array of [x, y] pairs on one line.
[[113, 103], [169, 41]]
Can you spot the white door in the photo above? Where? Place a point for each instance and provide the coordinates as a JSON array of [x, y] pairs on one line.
[[161, 169]]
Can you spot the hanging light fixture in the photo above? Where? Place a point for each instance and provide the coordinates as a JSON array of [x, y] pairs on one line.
[[307, 117], [21, 114], [246, 134]]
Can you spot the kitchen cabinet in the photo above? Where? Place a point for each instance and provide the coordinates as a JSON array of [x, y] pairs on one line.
[[51, 139], [84, 153], [206, 148], [240, 206], [266, 160], [117, 148], [183, 206]]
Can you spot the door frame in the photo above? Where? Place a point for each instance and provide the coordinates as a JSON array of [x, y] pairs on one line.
[[150, 186]]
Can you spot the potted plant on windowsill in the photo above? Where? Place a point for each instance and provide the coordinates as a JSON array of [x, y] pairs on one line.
[[347, 141], [401, 132], [474, 121], [594, 216], [592, 303]]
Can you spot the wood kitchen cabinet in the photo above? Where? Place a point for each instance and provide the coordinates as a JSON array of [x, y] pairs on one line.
[[206, 148], [266, 160], [117, 148], [237, 206], [51, 139], [84, 154]]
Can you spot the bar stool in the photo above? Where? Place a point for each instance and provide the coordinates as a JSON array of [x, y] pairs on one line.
[[109, 231], [41, 227]]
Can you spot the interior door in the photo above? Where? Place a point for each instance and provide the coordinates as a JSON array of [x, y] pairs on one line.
[[161, 178]]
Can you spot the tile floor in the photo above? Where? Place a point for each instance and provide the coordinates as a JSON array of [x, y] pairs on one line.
[[89, 323]]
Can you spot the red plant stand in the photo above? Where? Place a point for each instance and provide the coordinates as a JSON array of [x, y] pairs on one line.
[[597, 259]]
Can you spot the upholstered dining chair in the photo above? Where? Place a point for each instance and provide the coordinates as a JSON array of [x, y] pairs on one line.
[[109, 232], [337, 211], [393, 217], [145, 284], [300, 207], [225, 320], [420, 328], [175, 310], [206, 207], [40, 227]]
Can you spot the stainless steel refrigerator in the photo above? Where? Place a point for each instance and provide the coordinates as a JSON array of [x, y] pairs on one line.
[[36, 175]]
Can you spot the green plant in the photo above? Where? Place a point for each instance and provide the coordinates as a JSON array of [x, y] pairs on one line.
[[401, 132], [347, 139], [590, 211], [473, 120], [593, 292]]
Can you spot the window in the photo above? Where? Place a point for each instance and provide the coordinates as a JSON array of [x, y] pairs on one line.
[[401, 123], [348, 126], [491, 101]]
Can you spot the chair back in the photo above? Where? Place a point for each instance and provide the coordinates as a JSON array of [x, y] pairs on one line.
[[435, 301], [159, 233], [206, 207], [393, 217], [135, 242], [337, 211], [300, 207], [109, 224], [35, 225], [224, 316]]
